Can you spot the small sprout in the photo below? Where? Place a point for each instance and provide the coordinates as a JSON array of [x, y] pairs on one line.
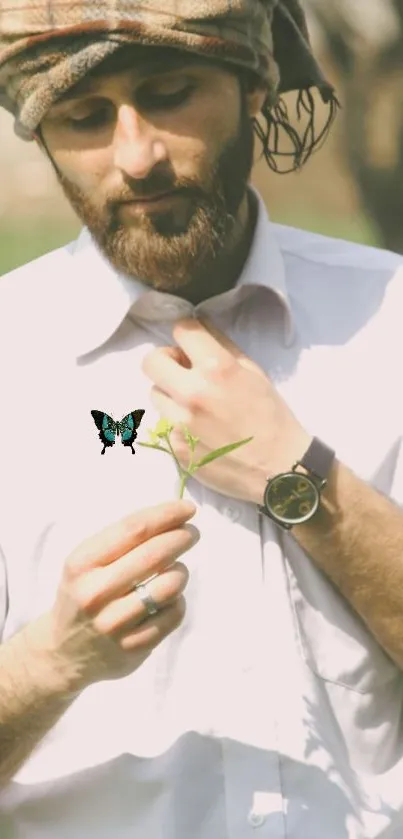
[[163, 431], [191, 441]]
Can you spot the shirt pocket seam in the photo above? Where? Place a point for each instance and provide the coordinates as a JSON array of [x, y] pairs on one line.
[[308, 659]]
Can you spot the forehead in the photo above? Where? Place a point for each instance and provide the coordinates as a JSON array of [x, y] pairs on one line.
[[143, 61]]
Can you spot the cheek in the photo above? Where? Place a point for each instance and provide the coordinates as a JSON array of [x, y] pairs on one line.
[[194, 156], [188, 157], [198, 146], [87, 170]]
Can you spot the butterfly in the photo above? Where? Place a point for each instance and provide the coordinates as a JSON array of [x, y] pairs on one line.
[[109, 429]]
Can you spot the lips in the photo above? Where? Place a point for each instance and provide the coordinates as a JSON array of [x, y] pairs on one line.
[[150, 198]]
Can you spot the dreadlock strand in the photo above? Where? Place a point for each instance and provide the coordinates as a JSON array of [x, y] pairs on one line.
[[278, 127]]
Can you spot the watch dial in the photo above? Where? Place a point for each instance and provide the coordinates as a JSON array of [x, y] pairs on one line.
[[292, 497]]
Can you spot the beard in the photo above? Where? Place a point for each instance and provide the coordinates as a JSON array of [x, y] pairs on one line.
[[161, 249]]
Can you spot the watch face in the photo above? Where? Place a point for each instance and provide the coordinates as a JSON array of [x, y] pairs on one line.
[[292, 498]]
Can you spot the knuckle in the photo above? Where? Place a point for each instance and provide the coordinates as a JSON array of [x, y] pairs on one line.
[[142, 526], [165, 547], [158, 551], [130, 643], [194, 399], [136, 527], [88, 596], [102, 626], [73, 566], [217, 370]]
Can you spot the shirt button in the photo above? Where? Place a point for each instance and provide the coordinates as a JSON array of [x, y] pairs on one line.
[[179, 309], [231, 513], [256, 819]]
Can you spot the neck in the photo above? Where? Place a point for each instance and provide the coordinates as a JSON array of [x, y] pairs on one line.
[[229, 265]]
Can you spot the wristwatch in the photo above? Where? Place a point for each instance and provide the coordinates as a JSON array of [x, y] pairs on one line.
[[293, 497]]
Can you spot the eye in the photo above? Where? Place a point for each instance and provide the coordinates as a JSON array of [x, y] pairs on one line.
[[98, 119], [147, 100], [160, 101]]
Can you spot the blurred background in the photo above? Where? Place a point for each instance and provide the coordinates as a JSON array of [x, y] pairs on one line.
[[352, 188]]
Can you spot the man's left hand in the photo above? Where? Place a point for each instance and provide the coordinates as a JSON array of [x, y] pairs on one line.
[[209, 385]]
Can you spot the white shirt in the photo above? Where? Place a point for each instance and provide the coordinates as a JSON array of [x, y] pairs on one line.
[[271, 711]]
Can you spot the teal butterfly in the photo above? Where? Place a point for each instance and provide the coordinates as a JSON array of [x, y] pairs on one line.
[[109, 429]]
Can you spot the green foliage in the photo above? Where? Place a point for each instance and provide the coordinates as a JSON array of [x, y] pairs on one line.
[[23, 240]]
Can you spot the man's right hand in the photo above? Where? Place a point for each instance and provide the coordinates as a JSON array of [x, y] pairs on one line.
[[99, 628]]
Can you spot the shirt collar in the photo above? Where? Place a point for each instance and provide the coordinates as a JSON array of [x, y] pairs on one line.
[[100, 298]]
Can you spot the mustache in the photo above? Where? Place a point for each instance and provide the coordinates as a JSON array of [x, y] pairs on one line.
[[142, 190]]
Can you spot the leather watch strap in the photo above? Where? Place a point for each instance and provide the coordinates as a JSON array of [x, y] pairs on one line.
[[318, 459]]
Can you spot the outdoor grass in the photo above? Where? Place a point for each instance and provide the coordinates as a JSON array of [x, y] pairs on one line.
[[25, 240]]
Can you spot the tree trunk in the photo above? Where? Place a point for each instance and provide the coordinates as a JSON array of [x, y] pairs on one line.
[[370, 76]]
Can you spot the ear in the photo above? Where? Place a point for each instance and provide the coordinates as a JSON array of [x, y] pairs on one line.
[[37, 137], [256, 99]]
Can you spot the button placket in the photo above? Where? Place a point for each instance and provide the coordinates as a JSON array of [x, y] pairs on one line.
[[244, 725], [179, 309]]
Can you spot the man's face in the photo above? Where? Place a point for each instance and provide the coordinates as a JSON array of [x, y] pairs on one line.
[[154, 155]]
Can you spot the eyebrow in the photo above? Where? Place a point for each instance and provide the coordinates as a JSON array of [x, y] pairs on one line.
[[147, 67]]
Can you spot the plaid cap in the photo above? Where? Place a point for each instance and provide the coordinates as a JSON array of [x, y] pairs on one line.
[[47, 46]]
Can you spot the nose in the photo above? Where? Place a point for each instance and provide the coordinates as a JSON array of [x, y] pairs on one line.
[[137, 149]]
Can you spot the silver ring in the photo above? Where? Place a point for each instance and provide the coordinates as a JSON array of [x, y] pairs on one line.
[[146, 599]]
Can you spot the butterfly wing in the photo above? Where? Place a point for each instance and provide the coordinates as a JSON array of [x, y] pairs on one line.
[[107, 428], [128, 427]]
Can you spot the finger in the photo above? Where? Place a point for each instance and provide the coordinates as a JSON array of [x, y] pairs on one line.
[[122, 615], [201, 345], [162, 366], [147, 635], [222, 338], [122, 536], [178, 355], [152, 557], [168, 408]]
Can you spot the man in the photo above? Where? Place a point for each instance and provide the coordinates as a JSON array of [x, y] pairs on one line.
[[273, 702]]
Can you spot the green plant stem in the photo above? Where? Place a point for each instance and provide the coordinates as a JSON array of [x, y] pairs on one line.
[[190, 467], [184, 478], [181, 472], [184, 474], [157, 448]]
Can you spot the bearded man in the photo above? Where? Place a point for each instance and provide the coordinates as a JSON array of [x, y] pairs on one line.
[[255, 686]]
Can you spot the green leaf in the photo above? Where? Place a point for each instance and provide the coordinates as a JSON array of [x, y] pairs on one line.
[[191, 441], [220, 452], [163, 428]]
